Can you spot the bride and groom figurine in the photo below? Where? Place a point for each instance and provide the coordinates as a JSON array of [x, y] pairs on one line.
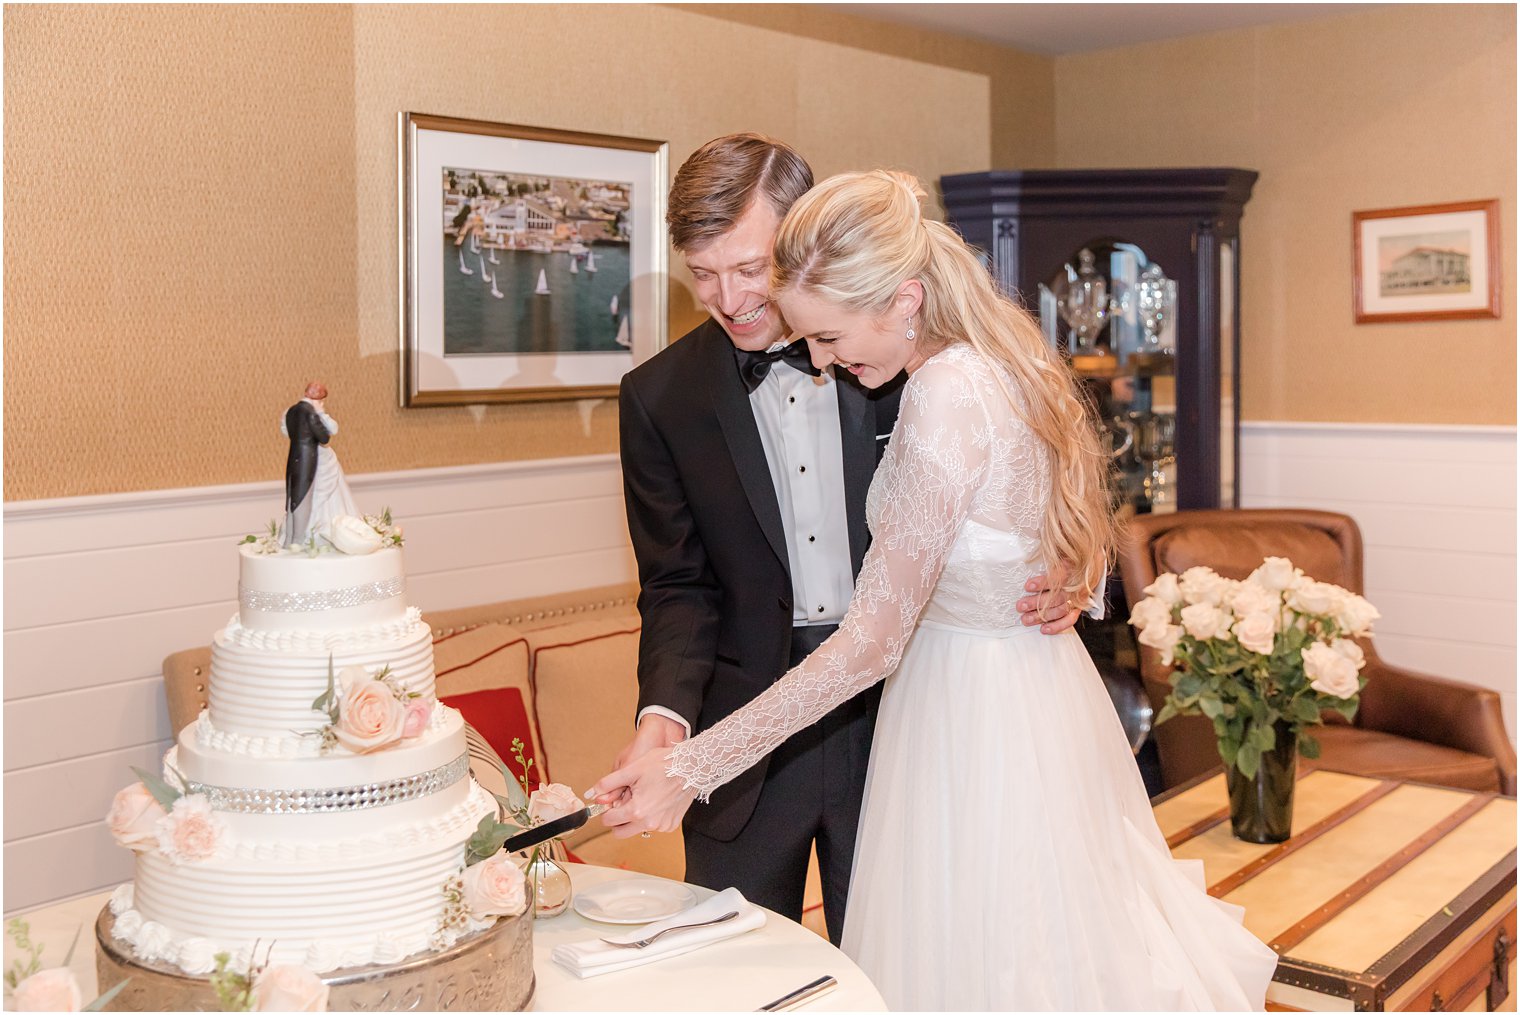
[[315, 491]]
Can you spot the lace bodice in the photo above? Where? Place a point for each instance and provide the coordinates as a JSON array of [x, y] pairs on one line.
[[955, 511]]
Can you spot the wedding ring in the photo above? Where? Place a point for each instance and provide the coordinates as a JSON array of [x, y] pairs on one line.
[[643, 835]]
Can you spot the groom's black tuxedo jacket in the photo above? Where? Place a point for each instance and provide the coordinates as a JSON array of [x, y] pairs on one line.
[[304, 425], [716, 588]]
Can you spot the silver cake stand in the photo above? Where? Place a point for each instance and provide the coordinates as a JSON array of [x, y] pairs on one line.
[[491, 971]]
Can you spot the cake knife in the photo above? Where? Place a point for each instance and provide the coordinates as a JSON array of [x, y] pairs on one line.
[[552, 829]]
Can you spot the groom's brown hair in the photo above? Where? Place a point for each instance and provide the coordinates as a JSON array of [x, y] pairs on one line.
[[717, 183]]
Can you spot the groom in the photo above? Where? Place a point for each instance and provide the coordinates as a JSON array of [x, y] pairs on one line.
[[745, 472]]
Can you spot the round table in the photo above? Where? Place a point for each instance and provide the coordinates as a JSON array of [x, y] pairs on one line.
[[741, 973]]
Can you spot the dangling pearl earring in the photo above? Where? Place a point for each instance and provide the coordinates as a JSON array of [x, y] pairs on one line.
[[911, 335]]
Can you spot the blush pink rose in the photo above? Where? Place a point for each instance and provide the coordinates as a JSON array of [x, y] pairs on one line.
[[289, 988], [495, 887], [369, 716], [1330, 672], [418, 712], [134, 818], [1150, 612], [553, 800], [1163, 637], [49, 990], [1256, 632], [1165, 589], [190, 832]]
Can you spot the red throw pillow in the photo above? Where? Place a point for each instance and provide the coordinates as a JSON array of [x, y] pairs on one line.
[[501, 714]]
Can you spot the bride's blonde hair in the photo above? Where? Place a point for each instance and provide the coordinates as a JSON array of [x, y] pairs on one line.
[[853, 241]]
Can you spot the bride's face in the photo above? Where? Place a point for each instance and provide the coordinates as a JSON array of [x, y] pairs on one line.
[[873, 348]]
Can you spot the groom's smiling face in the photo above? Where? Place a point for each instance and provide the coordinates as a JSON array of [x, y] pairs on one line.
[[732, 275]]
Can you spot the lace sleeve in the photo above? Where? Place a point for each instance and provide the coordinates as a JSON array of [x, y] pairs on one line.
[[937, 460]]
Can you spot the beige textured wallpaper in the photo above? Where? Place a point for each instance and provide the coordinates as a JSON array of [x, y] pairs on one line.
[[1389, 107], [202, 212], [1023, 84]]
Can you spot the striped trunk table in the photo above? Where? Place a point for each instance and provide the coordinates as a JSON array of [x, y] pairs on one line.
[[1389, 896]]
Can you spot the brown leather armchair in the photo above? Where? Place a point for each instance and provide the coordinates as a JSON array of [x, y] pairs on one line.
[[1410, 725]]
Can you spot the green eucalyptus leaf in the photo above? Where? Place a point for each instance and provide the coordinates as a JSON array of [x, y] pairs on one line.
[[1189, 686], [1264, 737], [1248, 760], [328, 699], [1228, 749], [1210, 705], [1308, 746], [1346, 707], [1306, 709], [164, 793]]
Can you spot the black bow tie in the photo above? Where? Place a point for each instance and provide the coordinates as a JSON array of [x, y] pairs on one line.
[[753, 366]]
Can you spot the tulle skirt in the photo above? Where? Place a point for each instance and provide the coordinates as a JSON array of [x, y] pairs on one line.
[[1007, 857]]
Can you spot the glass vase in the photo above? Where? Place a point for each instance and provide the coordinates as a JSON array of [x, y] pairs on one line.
[[1261, 806], [548, 881]]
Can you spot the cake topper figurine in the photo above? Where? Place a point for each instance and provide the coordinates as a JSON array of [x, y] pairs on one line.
[[315, 492]]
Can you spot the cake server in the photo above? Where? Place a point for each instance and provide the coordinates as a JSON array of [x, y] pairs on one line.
[[552, 829]]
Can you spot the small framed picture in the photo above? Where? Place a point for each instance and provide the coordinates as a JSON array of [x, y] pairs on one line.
[[532, 261], [1433, 262]]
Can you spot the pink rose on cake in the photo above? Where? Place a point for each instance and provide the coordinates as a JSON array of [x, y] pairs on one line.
[[495, 887], [289, 988], [134, 818], [369, 714], [553, 800], [49, 990], [190, 832], [418, 712]]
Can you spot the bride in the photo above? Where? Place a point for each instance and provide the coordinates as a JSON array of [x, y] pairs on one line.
[[1007, 855]]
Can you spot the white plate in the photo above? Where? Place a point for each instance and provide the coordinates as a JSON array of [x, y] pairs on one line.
[[633, 901]]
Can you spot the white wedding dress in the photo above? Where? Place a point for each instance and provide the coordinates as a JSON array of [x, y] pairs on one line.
[[1007, 857]]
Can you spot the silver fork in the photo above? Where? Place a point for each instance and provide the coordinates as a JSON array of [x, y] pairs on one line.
[[651, 939]]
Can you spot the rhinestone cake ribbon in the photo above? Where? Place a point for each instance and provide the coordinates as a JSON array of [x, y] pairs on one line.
[[334, 798], [327, 599]]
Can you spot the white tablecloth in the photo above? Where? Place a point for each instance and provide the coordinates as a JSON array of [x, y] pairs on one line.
[[740, 974]]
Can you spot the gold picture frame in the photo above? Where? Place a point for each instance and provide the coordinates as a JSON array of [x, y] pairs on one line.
[[532, 260], [1436, 262]]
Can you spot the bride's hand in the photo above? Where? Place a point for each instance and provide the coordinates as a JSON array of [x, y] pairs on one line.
[[643, 797]]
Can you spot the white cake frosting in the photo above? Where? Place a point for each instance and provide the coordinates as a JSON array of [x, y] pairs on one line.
[[330, 858]]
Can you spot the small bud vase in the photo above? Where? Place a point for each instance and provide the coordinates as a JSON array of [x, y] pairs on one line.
[[1261, 806], [548, 881]]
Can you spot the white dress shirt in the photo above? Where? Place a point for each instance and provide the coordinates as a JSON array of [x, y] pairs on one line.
[[797, 415]]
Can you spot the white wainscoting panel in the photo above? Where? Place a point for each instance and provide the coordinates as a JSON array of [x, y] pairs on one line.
[[1436, 506], [100, 589]]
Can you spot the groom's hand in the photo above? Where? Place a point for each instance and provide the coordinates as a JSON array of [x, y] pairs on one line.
[[1048, 605], [654, 732]]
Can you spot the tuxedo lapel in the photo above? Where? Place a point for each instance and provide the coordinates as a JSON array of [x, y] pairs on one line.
[[731, 404], [857, 438]]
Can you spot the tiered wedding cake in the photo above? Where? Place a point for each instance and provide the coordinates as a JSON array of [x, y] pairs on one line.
[[311, 835]]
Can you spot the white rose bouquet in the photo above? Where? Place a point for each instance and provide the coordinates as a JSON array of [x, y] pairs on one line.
[[1275, 649]]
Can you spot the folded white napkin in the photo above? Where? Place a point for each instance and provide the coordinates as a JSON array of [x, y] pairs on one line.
[[594, 957]]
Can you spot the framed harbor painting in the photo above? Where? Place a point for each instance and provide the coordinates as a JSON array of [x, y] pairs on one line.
[[532, 261], [1426, 263]]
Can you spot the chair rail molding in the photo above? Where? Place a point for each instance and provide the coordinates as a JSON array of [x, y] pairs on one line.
[[102, 588], [1436, 506]]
